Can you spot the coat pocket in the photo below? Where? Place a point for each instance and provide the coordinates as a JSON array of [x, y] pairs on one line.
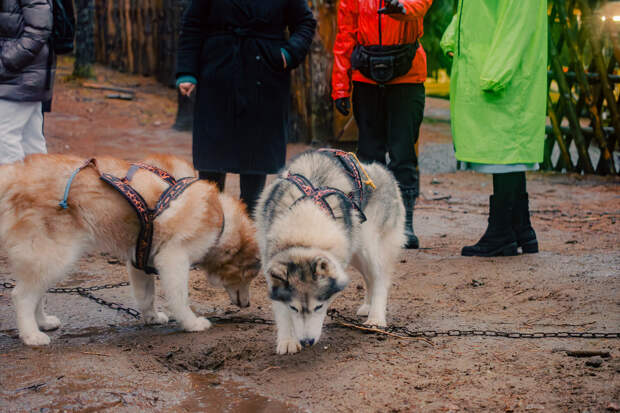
[[272, 56]]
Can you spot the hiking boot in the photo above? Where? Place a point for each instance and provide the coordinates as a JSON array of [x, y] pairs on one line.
[[499, 238], [522, 227], [409, 198]]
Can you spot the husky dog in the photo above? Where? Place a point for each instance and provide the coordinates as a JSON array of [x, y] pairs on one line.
[[306, 245], [43, 240]]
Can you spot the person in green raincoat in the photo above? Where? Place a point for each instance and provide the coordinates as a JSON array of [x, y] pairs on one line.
[[498, 92]]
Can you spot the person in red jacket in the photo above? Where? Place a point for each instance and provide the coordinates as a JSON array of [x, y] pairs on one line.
[[377, 56]]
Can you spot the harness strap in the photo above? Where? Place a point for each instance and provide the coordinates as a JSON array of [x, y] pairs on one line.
[[157, 171], [145, 216], [89, 162], [318, 195], [354, 169], [172, 193]]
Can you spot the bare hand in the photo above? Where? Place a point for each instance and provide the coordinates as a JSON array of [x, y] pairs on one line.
[[187, 88], [451, 54]]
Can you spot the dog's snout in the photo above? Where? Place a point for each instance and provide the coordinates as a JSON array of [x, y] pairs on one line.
[[307, 342]]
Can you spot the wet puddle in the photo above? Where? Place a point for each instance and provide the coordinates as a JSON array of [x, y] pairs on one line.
[[210, 393]]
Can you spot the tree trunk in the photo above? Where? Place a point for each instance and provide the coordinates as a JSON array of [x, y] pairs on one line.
[[84, 39]]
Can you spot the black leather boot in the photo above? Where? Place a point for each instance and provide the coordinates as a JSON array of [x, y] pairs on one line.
[[499, 238], [409, 197], [522, 227]]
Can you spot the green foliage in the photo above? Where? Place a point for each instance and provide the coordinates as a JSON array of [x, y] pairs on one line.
[[436, 20]]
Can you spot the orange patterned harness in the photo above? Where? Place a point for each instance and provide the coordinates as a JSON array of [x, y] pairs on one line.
[[146, 215]]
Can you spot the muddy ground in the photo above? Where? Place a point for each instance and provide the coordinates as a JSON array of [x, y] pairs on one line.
[[103, 360]]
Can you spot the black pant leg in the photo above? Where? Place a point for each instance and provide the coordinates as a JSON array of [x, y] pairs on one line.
[[218, 178], [251, 188], [369, 113], [405, 111], [510, 185]]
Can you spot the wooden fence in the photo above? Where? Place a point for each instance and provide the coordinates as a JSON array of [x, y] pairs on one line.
[[584, 56]]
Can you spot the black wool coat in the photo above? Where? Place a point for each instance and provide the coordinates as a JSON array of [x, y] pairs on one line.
[[232, 47]]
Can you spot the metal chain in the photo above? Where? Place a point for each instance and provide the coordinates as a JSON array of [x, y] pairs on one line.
[[80, 290], [334, 315], [86, 292], [240, 320], [405, 332], [114, 306], [72, 290]]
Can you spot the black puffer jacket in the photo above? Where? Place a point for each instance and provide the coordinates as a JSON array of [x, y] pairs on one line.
[[26, 69]]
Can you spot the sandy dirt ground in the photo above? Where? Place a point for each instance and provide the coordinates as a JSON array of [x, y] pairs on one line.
[[104, 360]]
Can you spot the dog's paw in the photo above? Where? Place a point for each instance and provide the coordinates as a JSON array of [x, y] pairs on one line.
[[155, 318], [198, 324], [363, 310], [49, 323], [36, 338], [288, 345], [376, 321]]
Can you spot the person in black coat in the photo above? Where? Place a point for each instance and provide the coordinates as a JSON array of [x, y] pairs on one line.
[[238, 58]]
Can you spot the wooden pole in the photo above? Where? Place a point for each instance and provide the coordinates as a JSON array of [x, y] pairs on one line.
[[555, 124], [566, 96]]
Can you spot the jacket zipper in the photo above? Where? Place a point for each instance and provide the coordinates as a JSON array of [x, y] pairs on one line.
[[459, 28]]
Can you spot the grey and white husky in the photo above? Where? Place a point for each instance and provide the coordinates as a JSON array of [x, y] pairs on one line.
[[323, 212]]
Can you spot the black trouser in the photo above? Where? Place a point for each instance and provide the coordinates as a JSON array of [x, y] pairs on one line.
[[388, 119], [251, 185], [509, 185]]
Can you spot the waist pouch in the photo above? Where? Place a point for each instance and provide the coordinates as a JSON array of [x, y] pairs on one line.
[[384, 63]]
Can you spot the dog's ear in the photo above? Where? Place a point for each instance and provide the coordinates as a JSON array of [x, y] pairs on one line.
[[321, 267], [278, 273], [332, 287]]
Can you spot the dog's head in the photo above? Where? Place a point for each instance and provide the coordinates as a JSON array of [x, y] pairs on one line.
[[304, 282], [234, 261]]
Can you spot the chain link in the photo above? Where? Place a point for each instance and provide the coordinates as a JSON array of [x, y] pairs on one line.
[[7, 285], [405, 332]]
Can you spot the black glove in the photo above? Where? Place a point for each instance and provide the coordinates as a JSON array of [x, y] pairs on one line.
[[343, 105], [393, 7]]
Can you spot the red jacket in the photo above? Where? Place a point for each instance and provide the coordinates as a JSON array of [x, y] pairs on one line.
[[358, 24]]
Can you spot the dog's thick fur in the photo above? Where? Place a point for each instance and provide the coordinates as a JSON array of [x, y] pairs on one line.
[[42, 240], [305, 251]]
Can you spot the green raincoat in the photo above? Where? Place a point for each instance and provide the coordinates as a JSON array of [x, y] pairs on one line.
[[498, 87]]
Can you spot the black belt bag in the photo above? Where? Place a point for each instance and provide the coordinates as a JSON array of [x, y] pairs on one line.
[[384, 63]]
